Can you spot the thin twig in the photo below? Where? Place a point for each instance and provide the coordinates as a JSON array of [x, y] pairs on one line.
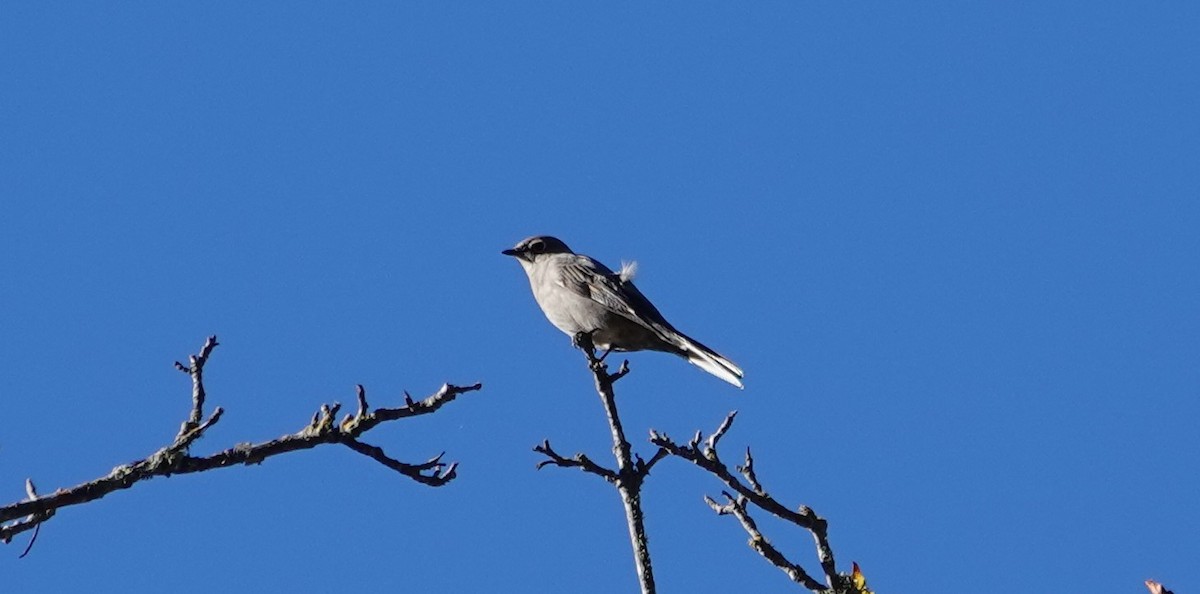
[[643, 467], [35, 519], [414, 471], [736, 506], [752, 491], [580, 461], [196, 370]]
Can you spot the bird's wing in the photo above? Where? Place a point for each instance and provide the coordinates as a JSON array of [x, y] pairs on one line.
[[617, 293], [595, 281]]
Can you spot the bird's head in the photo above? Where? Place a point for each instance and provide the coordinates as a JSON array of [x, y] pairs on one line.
[[529, 250]]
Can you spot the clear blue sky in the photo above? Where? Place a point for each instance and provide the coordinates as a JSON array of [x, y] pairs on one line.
[[955, 248]]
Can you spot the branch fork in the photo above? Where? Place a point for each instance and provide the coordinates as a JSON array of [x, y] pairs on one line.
[[632, 469], [176, 459], [746, 490]]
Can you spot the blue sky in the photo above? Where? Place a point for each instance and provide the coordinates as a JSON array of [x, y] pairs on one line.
[[954, 247]]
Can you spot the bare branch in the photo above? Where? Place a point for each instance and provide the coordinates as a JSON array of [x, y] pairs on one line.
[[196, 370], [711, 445], [189, 433], [747, 470], [643, 467], [362, 401], [446, 394], [175, 458], [709, 459], [580, 461], [621, 372], [630, 473], [414, 471], [737, 508], [34, 520]]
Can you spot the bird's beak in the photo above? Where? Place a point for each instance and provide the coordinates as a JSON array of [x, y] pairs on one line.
[[511, 253]]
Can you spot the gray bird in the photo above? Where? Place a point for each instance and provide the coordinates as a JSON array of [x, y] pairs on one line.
[[581, 295]]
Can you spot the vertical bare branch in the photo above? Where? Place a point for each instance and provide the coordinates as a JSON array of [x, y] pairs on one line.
[[631, 470], [195, 369]]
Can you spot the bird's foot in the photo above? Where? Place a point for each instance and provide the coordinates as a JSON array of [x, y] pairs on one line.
[[583, 342]]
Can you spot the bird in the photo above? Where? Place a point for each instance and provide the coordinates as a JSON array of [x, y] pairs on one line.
[[581, 296]]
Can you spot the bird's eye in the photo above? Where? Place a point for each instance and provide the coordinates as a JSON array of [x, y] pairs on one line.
[[537, 247]]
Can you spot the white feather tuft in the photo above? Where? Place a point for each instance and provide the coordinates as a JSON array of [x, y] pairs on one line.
[[628, 271]]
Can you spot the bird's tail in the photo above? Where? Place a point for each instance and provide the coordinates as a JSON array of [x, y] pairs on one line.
[[710, 361]]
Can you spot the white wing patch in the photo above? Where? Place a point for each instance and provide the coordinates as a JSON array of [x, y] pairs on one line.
[[628, 271]]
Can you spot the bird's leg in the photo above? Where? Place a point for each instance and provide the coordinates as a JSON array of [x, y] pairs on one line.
[[583, 342]]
